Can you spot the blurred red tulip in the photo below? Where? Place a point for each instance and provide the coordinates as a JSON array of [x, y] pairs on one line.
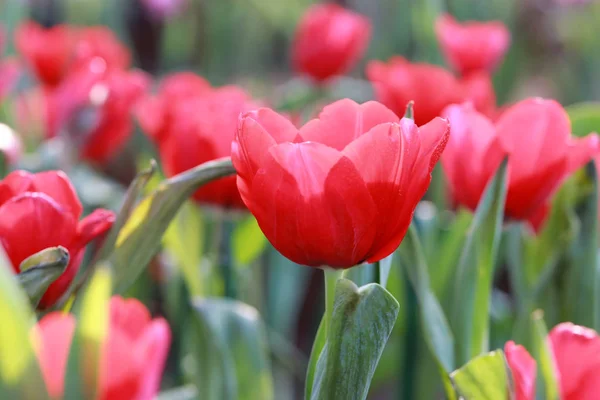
[[479, 90], [534, 133], [93, 108], [472, 46], [42, 210], [99, 41], [133, 356], [9, 74], [47, 51], [329, 41], [431, 87], [342, 189], [197, 129], [576, 352]]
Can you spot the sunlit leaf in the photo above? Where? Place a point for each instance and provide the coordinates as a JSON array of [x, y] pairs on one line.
[[546, 384], [585, 118], [248, 241], [484, 378]]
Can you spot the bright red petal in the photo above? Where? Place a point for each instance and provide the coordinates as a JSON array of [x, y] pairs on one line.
[[92, 226], [129, 316], [15, 183], [57, 185], [581, 151], [523, 368]]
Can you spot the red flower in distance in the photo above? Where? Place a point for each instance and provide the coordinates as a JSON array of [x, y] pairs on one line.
[[93, 108], [576, 351], [133, 355], [197, 129], [342, 189], [42, 210], [472, 46], [431, 87], [100, 41], [47, 51], [536, 136], [329, 41]]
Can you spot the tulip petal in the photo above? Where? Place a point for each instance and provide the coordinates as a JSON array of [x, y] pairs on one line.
[[129, 316], [92, 226], [31, 222], [523, 368], [56, 184], [151, 113], [577, 353], [434, 136], [155, 347], [313, 205], [581, 151], [56, 333], [15, 183], [343, 121]]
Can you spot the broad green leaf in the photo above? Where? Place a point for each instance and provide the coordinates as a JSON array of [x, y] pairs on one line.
[[232, 358], [93, 318], [438, 335], [473, 280], [484, 378], [361, 323], [248, 241], [20, 375], [40, 270], [546, 385], [583, 283], [585, 118], [139, 239]]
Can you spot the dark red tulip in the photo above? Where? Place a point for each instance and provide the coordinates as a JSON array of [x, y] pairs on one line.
[[93, 108], [576, 356], [42, 210], [329, 41], [195, 129], [431, 87], [47, 51], [342, 189], [133, 355], [536, 136], [472, 46]]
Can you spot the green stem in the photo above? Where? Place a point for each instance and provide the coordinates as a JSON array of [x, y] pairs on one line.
[[331, 278]]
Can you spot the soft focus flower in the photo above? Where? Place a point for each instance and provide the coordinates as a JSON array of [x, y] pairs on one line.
[[164, 9], [11, 146], [329, 41], [42, 210], [9, 74], [536, 136], [431, 87], [197, 129], [342, 189], [47, 51], [133, 356], [576, 351], [472, 46], [93, 108], [101, 42], [479, 90]]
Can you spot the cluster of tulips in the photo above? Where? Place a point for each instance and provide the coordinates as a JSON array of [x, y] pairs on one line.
[[340, 190]]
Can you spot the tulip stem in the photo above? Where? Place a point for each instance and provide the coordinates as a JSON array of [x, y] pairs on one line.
[[331, 278]]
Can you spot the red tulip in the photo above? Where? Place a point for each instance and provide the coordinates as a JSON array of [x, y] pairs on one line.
[[42, 210], [472, 46], [329, 41], [99, 41], [93, 107], [576, 351], [342, 189], [534, 133], [133, 355], [431, 87], [47, 51], [198, 129]]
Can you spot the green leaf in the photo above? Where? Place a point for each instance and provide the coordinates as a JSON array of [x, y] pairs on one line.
[[438, 335], [188, 392], [473, 280], [361, 323], [585, 118], [139, 239], [248, 241], [315, 352], [546, 385], [20, 375], [83, 365], [383, 269], [232, 358], [40, 270], [583, 283], [484, 378]]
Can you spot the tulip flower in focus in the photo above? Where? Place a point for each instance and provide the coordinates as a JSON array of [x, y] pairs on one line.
[[534, 133], [197, 129], [576, 351], [472, 46], [133, 355], [42, 210], [329, 41], [342, 189], [431, 87]]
